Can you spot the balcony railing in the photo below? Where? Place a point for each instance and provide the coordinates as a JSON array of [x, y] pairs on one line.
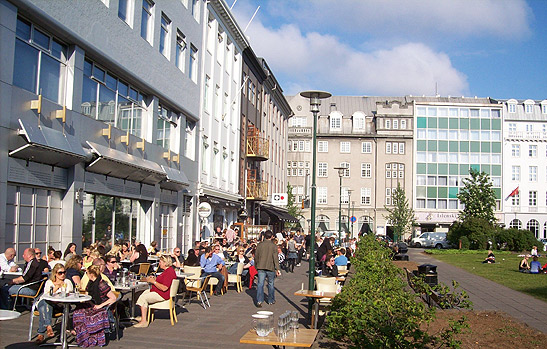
[[257, 190], [527, 135], [258, 148]]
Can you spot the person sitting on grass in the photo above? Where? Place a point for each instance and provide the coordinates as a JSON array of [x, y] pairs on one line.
[[523, 265], [535, 266], [490, 258]]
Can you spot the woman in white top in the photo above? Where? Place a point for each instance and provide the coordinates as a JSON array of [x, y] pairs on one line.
[[534, 251], [55, 284]]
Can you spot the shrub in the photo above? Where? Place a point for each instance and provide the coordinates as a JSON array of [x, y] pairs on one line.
[[464, 242], [477, 230]]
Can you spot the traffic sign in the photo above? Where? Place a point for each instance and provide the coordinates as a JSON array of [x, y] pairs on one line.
[[353, 219]]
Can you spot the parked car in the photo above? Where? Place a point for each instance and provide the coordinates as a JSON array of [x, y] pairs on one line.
[[432, 239]]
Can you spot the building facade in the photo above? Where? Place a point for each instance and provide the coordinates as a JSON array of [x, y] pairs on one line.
[[525, 165]]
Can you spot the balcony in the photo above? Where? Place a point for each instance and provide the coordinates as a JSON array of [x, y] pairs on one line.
[[258, 147], [300, 131], [257, 190], [527, 135]]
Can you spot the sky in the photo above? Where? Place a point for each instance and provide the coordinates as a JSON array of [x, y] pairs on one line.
[[483, 48]]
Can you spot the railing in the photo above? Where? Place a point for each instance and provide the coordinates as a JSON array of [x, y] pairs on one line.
[[257, 190], [527, 135], [300, 130], [258, 147]]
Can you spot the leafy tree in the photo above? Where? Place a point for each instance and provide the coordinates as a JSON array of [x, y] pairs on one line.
[[294, 208], [401, 215], [478, 197]]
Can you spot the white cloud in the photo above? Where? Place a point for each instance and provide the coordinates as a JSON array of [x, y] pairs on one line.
[[312, 60], [410, 18]]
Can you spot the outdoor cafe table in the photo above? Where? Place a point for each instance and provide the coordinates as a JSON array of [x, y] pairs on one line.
[[6, 277], [303, 337], [315, 295], [9, 314], [74, 298], [133, 288]]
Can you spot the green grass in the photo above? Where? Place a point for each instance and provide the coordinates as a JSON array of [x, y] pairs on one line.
[[504, 271]]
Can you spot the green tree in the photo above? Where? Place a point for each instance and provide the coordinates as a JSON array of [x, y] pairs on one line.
[[401, 215], [478, 197], [294, 208]]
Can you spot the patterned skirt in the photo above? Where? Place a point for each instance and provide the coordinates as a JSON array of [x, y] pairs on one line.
[[90, 325]]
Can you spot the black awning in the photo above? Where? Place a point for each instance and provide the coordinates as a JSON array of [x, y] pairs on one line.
[[48, 146], [322, 227], [176, 179], [115, 163], [279, 214]]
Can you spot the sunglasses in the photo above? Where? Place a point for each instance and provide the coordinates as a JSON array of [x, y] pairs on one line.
[[177, 251], [61, 272], [38, 253], [113, 261]]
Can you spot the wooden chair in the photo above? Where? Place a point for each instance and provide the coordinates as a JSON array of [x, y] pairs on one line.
[[34, 297], [116, 313], [236, 278], [143, 268], [200, 292], [168, 304]]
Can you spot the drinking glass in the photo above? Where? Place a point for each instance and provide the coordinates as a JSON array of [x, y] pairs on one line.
[[294, 319], [280, 328]]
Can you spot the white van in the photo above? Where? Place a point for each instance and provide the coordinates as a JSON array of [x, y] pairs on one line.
[[436, 240]]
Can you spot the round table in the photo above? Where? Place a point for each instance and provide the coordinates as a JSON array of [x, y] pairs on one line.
[[74, 298], [9, 314]]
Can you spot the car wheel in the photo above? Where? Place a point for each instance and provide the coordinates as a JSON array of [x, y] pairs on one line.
[[438, 246], [417, 245]]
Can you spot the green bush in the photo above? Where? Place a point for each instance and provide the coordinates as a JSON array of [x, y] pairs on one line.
[[464, 242], [477, 230], [515, 240], [374, 310]]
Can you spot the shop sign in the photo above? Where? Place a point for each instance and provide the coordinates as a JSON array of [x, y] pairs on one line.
[[204, 210], [436, 217], [279, 199]]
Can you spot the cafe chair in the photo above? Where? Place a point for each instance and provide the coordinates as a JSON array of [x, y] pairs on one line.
[[194, 280], [200, 292], [236, 278], [214, 281], [23, 296], [342, 269], [325, 284], [143, 268], [168, 304], [116, 313], [34, 312]]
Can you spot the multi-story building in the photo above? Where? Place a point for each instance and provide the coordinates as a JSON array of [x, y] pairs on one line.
[[370, 137], [223, 45], [98, 136], [525, 165], [452, 135]]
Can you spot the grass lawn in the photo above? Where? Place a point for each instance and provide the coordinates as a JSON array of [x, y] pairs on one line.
[[504, 271]]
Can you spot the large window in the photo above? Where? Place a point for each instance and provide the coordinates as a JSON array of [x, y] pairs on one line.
[[515, 173], [322, 146], [322, 169], [533, 173], [147, 20], [190, 140], [335, 122], [532, 198], [124, 10], [166, 118], [366, 170], [107, 98], [180, 55], [515, 150], [39, 64], [322, 195], [366, 147], [345, 165], [532, 151], [365, 196], [193, 70], [165, 37], [345, 147]]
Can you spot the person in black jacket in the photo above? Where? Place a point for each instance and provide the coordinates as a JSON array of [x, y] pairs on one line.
[[31, 273]]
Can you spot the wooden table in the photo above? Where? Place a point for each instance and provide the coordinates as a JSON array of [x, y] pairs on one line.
[[303, 337], [343, 272], [315, 296], [74, 298]]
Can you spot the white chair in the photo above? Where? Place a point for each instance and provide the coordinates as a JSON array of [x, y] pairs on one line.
[[200, 292], [236, 278], [342, 268], [168, 304], [324, 284], [194, 280]]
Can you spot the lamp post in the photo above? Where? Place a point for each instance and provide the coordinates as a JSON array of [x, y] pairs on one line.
[[340, 174], [349, 210], [315, 101]]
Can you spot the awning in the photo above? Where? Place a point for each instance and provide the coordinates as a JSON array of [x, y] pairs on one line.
[[176, 180], [217, 201], [279, 214], [48, 146], [115, 163]]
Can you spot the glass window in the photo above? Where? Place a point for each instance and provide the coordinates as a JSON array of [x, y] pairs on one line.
[[532, 151], [322, 195], [533, 173], [124, 10], [164, 35], [532, 198], [180, 57], [422, 134], [322, 146], [322, 169], [366, 170], [345, 147], [193, 62], [146, 20], [335, 122], [515, 150]]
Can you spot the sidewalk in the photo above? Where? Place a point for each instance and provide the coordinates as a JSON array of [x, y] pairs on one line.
[[220, 326], [488, 295]]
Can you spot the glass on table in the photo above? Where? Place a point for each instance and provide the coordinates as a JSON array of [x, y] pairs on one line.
[[294, 320]]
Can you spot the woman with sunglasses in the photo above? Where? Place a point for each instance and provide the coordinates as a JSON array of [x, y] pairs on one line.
[[56, 284]]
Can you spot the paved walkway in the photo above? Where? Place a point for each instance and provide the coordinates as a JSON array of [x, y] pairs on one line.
[[220, 326], [488, 295]]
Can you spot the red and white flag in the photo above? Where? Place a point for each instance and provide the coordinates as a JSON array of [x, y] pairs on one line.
[[515, 192]]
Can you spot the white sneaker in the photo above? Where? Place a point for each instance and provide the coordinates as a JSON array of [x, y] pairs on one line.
[[298, 265]]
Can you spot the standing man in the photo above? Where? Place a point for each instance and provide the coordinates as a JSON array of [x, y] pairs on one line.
[[7, 261], [267, 264], [31, 273]]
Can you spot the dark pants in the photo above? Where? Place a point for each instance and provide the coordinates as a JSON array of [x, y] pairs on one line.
[[220, 279], [300, 254]]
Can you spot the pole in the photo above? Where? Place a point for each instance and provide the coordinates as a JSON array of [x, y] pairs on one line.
[[349, 211], [315, 101], [340, 214]]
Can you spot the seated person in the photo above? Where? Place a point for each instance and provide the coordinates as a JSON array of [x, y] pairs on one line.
[[241, 258], [102, 266], [56, 259], [341, 258], [153, 250], [55, 284], [92, 319], [535, 266], [44, 266], [176, 258], [192, 260], [73, 268], [329, 267], [159, 290], [31, 273], [523, 265], [139, 256], [7, 261], [211, 265], [112, 267], [534, 251], [490, 258]]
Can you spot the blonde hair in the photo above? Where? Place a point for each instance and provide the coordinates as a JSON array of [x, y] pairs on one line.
[[115, 249], [167, 260], [53, 275], [94, 270]]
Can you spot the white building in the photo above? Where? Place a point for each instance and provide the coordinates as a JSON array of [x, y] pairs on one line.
[[525, 165]]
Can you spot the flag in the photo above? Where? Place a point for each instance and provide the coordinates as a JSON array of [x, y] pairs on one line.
[[515, 192]]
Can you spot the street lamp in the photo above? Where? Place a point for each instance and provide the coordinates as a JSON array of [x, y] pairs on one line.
[[349, 209], [315, 101], [341, 171]]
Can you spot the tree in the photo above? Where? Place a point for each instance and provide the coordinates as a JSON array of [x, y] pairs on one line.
[[478, 197], [294, 208], [401, 215]]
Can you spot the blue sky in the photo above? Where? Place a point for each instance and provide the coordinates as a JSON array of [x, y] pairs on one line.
[[484, 48]]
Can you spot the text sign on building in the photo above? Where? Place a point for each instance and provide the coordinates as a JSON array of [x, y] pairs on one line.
[[279, 199], [204, 210]]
